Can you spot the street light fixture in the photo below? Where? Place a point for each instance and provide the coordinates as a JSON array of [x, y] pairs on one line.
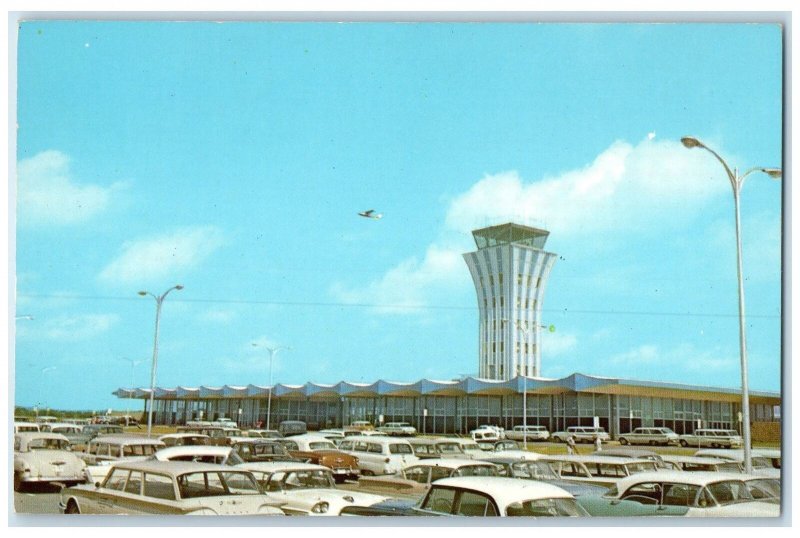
[[134, 364], [272, 352], [159, 299], [736, 184]]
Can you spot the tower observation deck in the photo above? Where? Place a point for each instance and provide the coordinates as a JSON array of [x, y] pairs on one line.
[[509, 270]]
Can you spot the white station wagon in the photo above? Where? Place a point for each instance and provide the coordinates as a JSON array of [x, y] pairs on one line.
[[581, 434], [708, 437], [306, 488], [173, 488], [649, 436], [529, 432], [379, 455], [598, 470]]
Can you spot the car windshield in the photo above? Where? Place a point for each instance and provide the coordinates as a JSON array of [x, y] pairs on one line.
[[767, 488], [545, 508], [321, 445], [471, 447], [211, 484], [449, 448], [641, 467], [534, 470], [313, 479], [761, 463], [400, 448], [730, 467], [476, 470], [48, 444], [730, 492]]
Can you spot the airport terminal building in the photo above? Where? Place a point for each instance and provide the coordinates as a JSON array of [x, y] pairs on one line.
[[509, 270]]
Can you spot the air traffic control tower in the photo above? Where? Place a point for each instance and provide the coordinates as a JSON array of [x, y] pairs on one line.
[[510, 270]]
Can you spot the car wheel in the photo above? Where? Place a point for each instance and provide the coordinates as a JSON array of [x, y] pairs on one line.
[[623, 441], [684, 443], [17, 482], [72, 508], [366, 472], [653, 443]]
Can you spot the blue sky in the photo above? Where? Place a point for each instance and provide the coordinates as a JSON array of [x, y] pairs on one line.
[[232, 158]]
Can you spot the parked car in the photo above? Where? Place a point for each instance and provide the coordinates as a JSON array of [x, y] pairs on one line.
[[631, 452], [258, 450], [713, 438], [334, 435], [45, 457], [581, 434], [321, 451], [529, 469], [183, 439], [217, 435], [470, 448], [765, 462], [413, 481], [72, 432], [389, 507], [397, 429], [695, 464], [379, 454], [26, 427], [218, 455], [485, 433], [706, 494], [174, 488], [436, 448], [106, 450], [360, 425], [90, 431], [602, 471], [498, 446], [529, 432], [292, 427], [488, 496], [306, 488], [265, 434], [649, 436]]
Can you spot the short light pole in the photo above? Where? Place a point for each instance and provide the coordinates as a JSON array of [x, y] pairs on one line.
[[134, 364], [736, 184], [159, 300], [272, 352], [525, 330]]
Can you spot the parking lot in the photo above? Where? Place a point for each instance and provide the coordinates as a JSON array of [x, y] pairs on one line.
[[43, 499]]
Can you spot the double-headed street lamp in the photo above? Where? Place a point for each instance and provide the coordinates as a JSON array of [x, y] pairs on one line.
[[272, 352], [736, 183], [159, 299]]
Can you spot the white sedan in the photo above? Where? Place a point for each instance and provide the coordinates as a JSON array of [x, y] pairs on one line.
[[707, 494], [45, 457], [305, 488], [487, 496]]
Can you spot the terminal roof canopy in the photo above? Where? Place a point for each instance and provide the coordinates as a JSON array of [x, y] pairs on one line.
[[510, 233]]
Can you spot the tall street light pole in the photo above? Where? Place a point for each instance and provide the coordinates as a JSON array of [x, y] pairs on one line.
[[134, 364], [159, 299], [525, 330], [736, 184], [272, 352]]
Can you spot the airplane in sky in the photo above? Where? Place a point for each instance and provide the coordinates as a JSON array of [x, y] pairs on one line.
[[370, 214]]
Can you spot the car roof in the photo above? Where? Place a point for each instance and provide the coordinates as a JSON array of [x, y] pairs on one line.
[[29, 436], [310, 437], [126, 440], [182, 435], [694, 459], [505, 490], [280, 466], [374, 438], [738, 454], [173, 467], [590, 458], [700, 478], [62, 425], [194, 450], [449, 463]]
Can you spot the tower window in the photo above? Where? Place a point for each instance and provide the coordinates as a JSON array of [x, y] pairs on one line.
[[500, 277]]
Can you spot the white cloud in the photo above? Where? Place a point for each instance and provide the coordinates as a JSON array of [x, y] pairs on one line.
[[626, 189], [168, 255], [47, 194], [682, 357], [405, 288], [79, 327]]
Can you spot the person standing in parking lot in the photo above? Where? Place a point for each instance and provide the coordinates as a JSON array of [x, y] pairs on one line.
[[598, 443], [570, 445]]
